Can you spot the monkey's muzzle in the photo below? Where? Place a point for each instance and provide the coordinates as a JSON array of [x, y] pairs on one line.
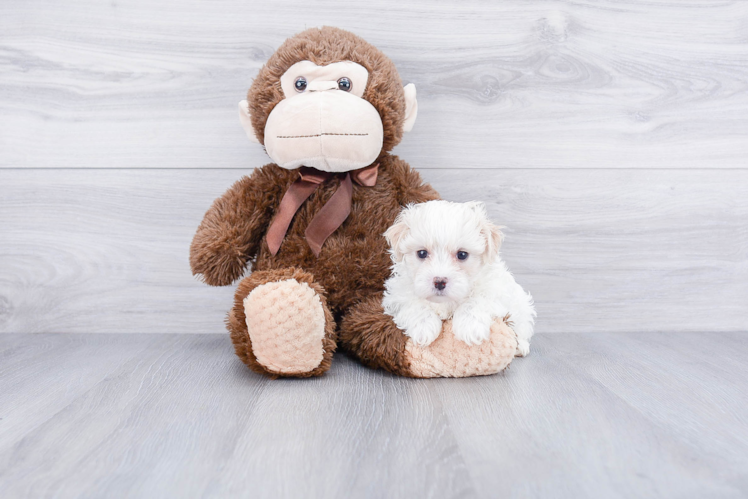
[[329, 130]]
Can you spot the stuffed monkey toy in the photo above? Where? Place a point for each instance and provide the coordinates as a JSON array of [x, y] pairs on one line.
[[328, 107]]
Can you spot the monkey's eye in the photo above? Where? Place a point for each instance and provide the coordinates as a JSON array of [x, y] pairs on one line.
[[300, 84], [345, 84], [462, 255], [422, 254]]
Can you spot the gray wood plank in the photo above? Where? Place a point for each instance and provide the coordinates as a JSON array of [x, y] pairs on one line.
[[106, 251], [609, 406], [586, 415], [586, 84], [71, 366]]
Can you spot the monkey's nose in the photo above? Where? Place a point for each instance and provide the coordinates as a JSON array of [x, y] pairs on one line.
[[440, 283], [319, 85]]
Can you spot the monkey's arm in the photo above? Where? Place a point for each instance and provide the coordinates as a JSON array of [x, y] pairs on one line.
[[232, 230], [411, 188]]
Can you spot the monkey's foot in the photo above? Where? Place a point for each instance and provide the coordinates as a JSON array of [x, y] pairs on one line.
[[286, 325], [373, 337], [449, 357], [280, 324]]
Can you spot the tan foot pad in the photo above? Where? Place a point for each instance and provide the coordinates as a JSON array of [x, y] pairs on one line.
[[286, 324], [450, 357]]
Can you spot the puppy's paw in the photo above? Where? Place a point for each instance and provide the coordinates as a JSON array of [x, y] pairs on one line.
[[471, 328], [523, 348], [425, 331]]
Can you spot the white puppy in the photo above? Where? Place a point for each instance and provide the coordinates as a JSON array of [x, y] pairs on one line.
[[447, 265]]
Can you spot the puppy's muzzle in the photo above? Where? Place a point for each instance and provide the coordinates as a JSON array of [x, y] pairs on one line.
[[440, 283]]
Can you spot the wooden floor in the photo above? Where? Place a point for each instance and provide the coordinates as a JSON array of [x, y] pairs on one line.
[[600, 415]]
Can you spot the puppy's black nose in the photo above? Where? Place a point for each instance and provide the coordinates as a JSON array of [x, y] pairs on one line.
[[440, 283]]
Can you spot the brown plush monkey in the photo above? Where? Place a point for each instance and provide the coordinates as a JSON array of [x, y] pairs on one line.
[[328, 107]]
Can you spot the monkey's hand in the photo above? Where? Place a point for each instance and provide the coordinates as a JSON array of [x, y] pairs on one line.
[[232, 230]]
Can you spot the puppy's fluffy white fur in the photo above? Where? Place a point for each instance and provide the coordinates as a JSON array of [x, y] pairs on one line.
[[447, 265]]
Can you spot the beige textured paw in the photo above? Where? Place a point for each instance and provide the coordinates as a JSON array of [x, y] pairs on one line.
[[449, 357], [286, 324]]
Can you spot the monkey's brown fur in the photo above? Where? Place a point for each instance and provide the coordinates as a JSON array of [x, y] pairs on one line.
[[374, 338], [354, 262]]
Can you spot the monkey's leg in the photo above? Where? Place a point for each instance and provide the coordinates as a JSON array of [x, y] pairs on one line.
[[280, 324], [372, 336]]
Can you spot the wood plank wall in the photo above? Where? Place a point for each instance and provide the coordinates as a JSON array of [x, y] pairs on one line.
[[610, 137]]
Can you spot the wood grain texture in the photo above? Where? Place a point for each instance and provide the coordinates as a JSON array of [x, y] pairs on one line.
[[609, 136], [586, 415], [583, 84], [106, 251]]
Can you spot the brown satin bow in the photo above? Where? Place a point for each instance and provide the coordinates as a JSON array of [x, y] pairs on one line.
[[333, 213]]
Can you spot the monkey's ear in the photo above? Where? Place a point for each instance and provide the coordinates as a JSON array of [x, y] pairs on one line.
[[411, 107], [246, 120]]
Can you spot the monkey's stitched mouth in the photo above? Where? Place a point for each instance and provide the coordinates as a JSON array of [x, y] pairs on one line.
[[312, 135]]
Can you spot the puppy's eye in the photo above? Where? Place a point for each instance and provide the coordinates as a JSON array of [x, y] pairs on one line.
[[300, 84], [345, 84], [462, 255], [422, 254]]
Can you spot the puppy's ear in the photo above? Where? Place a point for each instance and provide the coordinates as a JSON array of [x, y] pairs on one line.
[[395, 234], [493, 236], [490, 231]]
